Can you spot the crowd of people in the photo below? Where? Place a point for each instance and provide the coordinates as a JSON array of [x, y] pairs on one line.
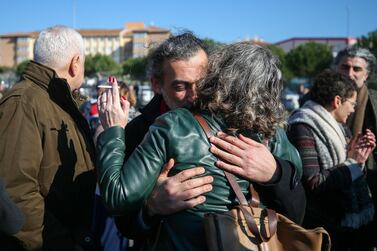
[[143, 180]]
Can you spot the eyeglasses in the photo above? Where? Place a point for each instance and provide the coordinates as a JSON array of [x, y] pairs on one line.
[[354, 104]]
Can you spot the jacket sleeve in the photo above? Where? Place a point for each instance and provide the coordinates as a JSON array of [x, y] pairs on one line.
[[11, 218], [282, 148], [125, 186], [281, 195], [21, 155], [316, 179]]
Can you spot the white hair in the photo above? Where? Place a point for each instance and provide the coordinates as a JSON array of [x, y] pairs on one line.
[[55, 46]]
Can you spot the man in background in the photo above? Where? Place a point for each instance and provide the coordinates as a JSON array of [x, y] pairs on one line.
[[46, 149], [359, 64]]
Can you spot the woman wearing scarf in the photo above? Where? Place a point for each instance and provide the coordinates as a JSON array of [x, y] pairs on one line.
[[337, 193]]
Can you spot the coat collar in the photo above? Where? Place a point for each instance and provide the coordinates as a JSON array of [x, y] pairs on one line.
[[39, 74], [47, 79], [152, 110]]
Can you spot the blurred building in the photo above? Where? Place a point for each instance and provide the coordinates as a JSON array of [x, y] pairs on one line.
[[335, 43], [255, 40], [133, 41]]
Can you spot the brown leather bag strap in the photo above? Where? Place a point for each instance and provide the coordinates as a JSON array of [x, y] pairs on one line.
[[255, 201], [236, 188], [203, 123], [232, 181]]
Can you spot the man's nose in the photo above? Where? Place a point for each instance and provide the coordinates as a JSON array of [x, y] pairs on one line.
[[351, 73], [348, 72], [192, 93]]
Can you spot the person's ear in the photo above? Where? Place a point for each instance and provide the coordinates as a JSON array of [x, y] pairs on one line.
[[156, 85], [337, 101], [366, 77], [74, 66]]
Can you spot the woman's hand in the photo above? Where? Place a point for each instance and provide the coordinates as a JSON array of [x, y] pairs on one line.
[[361, 146], [113, 111]]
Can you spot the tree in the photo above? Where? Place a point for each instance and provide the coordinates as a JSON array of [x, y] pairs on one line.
[[21, 67], [280, 53], [136, 68], [211, 44], [369, 41], [309, 59], [99, 64], [4, 69]]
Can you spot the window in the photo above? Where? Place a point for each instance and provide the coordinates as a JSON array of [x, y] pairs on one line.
[[139, 45], [140, 35], [22, 39], [21, 48]]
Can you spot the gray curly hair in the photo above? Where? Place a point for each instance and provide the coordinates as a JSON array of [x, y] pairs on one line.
[[243, 86], [360, 52]]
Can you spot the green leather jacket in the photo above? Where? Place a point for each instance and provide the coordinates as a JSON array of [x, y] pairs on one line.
[[177, 134]]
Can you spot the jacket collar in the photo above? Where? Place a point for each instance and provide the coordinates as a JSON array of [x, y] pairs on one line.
[[60, 93], [152, 110], [46, 78], [39, 74]]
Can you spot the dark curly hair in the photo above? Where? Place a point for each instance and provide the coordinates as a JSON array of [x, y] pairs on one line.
[[329, 84]]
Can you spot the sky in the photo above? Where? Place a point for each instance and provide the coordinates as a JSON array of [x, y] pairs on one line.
[[221, 20]]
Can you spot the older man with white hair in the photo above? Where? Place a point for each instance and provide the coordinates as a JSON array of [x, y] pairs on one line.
[[46, 150]]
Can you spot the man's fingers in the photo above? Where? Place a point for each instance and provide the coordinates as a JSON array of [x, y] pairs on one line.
[[232, 140], [189, 173], [187, 204], [196, 182], [231, 148], [225, 155], [193, 202], [249, 141], [230, 168], [195, 192], [167, 167]]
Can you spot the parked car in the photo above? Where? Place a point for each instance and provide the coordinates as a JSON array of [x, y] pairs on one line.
[[290, 100], [144, 94]]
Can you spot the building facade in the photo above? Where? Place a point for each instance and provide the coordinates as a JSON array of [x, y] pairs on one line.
[[335, 44], [134, 40]]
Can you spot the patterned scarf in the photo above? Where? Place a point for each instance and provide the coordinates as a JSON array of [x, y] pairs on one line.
[[327, 132]]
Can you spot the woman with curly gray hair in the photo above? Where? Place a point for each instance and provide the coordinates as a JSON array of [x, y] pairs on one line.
[[243, 86], [240, 94]]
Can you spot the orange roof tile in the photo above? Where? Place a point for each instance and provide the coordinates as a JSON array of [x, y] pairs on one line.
[[99, 32]]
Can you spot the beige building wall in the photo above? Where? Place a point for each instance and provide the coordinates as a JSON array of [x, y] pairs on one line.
[[133, 41], [7, 51], [24, 49], [104, 45]]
